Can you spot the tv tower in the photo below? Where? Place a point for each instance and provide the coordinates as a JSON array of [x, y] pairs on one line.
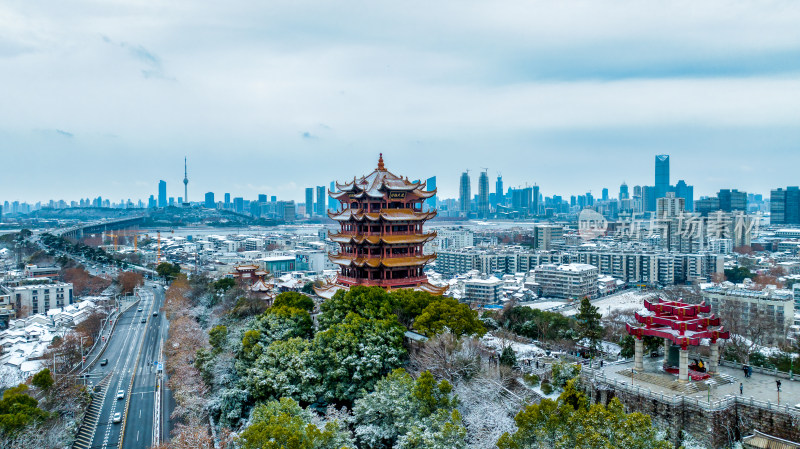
[[185, 184]]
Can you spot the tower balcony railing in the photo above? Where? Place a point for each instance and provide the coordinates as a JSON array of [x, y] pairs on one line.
[[392, 283]]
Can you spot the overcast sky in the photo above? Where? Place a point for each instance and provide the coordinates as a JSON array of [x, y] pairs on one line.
[[106, 97]]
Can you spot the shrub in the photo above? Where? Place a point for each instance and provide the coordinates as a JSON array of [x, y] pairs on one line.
[[547, 388], [531, 379]]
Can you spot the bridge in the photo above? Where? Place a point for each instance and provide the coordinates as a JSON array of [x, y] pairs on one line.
[[99, 226]]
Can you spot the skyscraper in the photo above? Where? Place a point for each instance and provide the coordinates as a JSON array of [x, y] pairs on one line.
[[623, 192], [464, 194], [498, 193], [209, 201], [483, 195], [162, 193], [685, 191], [227, 201], [662, 177], [332, 203], [731, 200], [784, 206], [430, 185], [320, 201], [309, 201]]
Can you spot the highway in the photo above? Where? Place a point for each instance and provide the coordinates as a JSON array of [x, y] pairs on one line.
[[132, 349]]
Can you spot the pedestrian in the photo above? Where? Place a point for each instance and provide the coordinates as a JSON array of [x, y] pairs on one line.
[[601, 363], [744, 369], [741, 388], [749, 371], [778, 382]]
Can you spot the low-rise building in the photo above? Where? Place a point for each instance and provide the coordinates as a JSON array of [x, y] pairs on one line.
[[572, 281], [771, 304], [39, 297], [483, 291]]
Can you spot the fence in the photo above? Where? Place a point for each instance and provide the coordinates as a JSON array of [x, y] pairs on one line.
[[590, 375]]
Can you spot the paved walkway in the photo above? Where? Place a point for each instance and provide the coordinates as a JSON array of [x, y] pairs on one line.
[[760, 386]]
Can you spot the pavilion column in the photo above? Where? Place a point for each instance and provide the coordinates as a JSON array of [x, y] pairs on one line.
[[667, 345], [712, 363], [683, 366], [638, 355]]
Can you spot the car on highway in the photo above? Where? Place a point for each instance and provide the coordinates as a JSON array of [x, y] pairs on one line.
[[120, 394], [155, 313], [104, 362], [144, 320], [139, 309], [117, 417]]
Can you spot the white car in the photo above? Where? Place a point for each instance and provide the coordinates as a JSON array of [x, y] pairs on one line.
[[120, 394], [117, 417]]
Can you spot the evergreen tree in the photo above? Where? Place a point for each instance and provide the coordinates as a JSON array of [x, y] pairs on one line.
[[589, 327]]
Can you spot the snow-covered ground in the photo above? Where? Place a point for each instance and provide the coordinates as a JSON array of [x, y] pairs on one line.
[[629, 300], [545, 305], [522, 350]]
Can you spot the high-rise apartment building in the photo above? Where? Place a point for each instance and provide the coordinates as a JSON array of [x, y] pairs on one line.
[[464, 194], [162, 193], [670, 206], [309, 201], [209, 201], [483, 195]]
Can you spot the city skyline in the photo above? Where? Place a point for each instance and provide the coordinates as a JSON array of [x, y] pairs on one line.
[[266, 98]]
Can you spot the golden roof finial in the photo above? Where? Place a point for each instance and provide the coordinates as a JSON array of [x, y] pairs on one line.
[[380, 163]]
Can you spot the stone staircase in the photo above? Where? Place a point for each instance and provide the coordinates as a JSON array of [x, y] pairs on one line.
[[86, 432], [687, 388]]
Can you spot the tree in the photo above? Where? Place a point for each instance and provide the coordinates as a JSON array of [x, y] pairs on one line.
[[408, 304], [168, 271], [284, 369], [568, 422], [448, 313], [217, 337], [128, 280], [401, 408], [293, 299], [737, 275], [508, 357], [628, 345], [282, 323], [222, 285], [368, 302], [589, 327], [355, 354], [448, 357], [19, 410], [43, 380], [285, 425]]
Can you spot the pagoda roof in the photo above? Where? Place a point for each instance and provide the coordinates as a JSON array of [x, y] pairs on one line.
[[380, 181], [385, 214], [387, 239], [375, 262]]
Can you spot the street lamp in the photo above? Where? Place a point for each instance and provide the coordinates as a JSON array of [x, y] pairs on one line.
[[82, 356]]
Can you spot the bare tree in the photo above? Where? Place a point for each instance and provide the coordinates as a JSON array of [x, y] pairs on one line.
[[750, 327], [448, 357]]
